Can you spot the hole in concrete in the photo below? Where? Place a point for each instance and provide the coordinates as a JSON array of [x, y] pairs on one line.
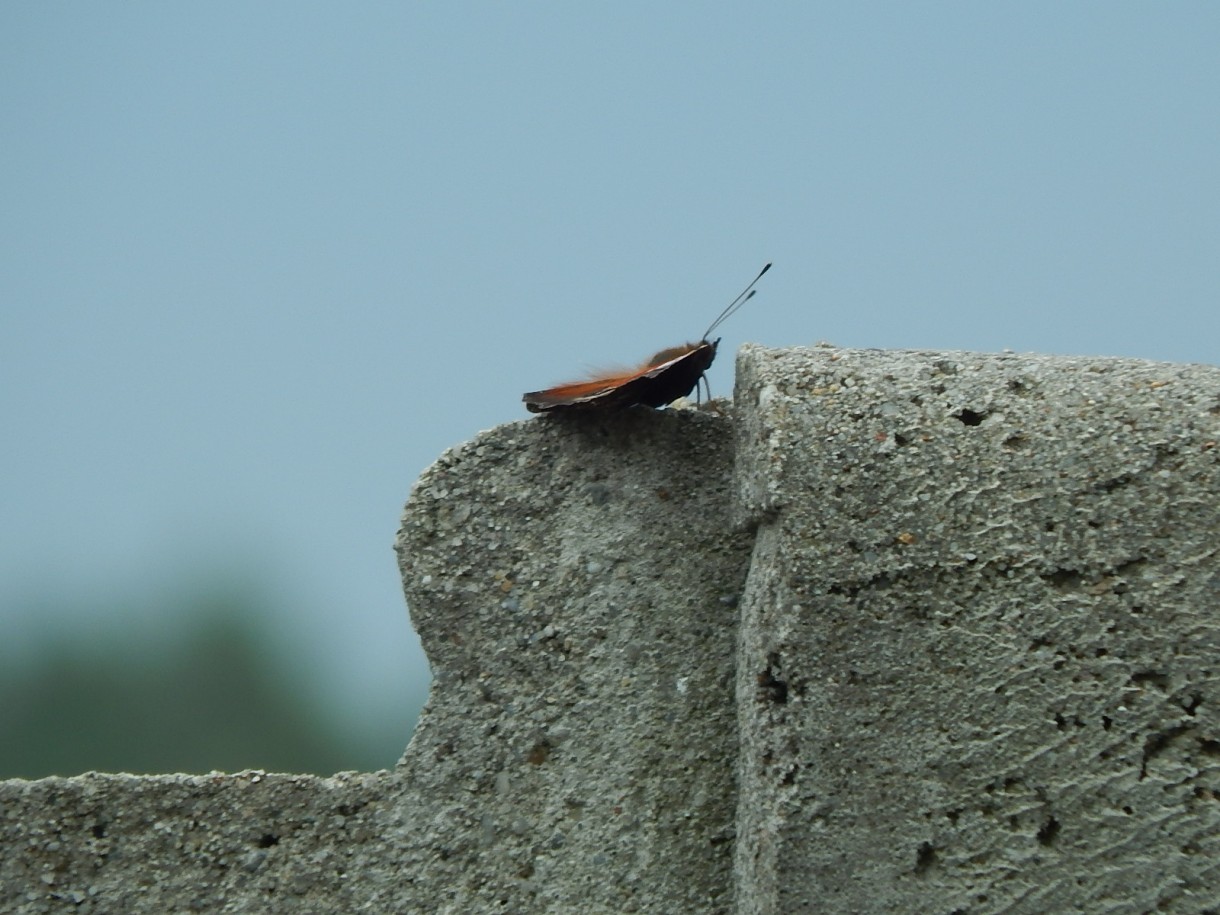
[[773, 690], [1064, 578], [1123, 479], [924, 858], [1150, 678], [1060, 722], [1156, 744], [268, 840], [770, 686], [99, 830], [970, 417], [1048, 832]]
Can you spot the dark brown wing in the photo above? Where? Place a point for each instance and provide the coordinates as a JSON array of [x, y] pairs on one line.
[[666, 378]]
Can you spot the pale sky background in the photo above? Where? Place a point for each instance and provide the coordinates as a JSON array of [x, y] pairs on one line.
[[262, 263]]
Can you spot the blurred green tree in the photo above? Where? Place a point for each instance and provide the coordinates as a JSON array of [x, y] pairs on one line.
[[215, 697]]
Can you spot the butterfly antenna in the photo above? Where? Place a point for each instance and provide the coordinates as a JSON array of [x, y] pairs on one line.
[[746, 295]]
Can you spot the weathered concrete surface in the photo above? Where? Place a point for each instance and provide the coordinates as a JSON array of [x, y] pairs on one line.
[[981, 635], [249, 842], [975, 669], [575, 586], [576, 583]]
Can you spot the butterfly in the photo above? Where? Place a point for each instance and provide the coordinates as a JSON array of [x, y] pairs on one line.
[[670, 374]]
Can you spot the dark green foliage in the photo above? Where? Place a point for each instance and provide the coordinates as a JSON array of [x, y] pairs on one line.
[[217, 696]]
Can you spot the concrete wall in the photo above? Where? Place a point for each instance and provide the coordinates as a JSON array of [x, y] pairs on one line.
[[908, 632], [981, 635]]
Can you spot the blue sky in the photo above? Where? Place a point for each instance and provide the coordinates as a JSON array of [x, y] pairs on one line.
[[262, 263]]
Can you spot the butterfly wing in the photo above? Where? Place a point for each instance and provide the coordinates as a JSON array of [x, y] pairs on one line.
[[667, 376]]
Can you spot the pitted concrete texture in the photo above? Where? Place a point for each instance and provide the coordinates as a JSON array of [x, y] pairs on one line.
[[575, 583], [981, 635], [907, 632], [248, 842]]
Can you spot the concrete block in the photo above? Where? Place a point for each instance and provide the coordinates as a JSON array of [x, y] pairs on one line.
[[981, 634], [196, 843], [575, 583]]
